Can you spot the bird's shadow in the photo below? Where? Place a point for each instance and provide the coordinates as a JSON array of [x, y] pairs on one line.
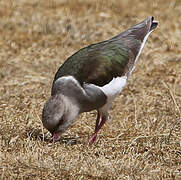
[[35, 135]]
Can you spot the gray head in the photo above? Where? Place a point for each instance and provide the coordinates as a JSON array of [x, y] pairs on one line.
[[53, 113], [58, 114]]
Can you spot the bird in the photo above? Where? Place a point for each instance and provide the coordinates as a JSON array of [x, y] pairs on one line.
[[92, 78]]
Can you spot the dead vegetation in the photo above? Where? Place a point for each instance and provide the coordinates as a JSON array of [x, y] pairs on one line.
[[143, 141]]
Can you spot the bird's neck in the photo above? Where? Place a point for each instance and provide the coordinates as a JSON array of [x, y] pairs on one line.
[[72, 108]]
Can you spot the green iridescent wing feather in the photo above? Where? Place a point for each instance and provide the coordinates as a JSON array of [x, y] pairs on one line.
[[97, 63]]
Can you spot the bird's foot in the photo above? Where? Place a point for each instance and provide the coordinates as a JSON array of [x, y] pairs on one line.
[[92, 139]]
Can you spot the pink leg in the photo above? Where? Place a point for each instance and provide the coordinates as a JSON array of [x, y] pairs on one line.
[[97, 120], [98, 127], [93, 137]]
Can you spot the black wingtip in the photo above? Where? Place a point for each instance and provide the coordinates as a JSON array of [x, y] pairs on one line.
[[152, 18], [154, 24]]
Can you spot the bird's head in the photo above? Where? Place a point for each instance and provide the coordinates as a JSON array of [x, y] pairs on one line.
[[58, 114], [53, 115]]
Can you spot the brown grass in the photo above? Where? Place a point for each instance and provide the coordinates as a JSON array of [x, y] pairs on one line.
[[144, 139]]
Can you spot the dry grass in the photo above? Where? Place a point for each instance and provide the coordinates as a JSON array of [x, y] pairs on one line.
[[144, 139]]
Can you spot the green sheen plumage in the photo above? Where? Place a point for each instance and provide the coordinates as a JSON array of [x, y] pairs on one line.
[[97, 63]]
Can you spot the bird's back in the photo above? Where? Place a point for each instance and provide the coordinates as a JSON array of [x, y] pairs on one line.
[[99, 63]]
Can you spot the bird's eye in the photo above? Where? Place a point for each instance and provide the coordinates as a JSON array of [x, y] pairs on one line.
[[61, 121]]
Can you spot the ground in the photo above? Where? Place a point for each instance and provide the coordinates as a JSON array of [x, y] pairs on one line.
[[143, 140]]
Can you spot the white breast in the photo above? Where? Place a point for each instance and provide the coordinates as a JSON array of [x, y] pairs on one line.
[[112, 90]]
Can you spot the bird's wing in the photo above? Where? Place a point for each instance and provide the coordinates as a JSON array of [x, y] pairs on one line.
[[98, 63]]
